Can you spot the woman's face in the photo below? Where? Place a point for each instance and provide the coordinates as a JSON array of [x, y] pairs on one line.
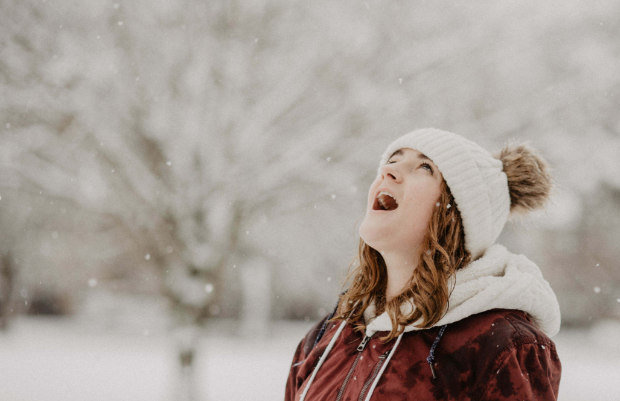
[[400, 202]]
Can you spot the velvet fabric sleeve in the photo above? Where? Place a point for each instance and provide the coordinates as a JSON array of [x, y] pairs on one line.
[[528, 371], [306, 345], [292, 385]]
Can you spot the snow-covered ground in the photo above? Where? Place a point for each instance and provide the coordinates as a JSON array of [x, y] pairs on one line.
[[54, 360]]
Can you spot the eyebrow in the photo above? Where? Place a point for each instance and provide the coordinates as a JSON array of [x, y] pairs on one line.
[[400, 152]]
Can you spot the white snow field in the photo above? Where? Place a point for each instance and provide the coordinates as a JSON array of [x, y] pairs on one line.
[[54, 360]]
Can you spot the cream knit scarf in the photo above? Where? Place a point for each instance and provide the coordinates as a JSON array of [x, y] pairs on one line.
[[498, 280]]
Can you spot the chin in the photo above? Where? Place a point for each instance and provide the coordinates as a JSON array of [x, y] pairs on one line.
[[385, 239], [372, 236]]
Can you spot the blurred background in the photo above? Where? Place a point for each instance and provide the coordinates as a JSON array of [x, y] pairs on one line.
[[181, 181]]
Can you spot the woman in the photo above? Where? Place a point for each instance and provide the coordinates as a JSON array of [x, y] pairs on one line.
[[436, 310]]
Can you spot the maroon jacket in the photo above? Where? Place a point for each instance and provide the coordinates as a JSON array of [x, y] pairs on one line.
[[494, 355]]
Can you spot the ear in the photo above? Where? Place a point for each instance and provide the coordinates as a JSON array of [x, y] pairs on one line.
[[529, 181]]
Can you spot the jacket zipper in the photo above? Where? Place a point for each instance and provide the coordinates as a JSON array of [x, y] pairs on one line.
[[360, 348], [373, 375]]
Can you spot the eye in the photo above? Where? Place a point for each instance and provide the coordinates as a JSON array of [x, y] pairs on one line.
[[390, 161], [427, 166]]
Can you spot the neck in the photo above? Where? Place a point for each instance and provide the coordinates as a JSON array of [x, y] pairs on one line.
[[399, 268]]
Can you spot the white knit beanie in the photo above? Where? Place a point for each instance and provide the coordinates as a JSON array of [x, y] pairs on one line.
[[478, 183]]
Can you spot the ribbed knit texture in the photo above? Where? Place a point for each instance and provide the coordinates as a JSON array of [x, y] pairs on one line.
[[475, 178]]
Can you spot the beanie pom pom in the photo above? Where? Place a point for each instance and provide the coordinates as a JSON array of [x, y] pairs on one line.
[[529, 181]]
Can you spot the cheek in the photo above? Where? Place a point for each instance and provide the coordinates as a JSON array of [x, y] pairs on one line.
[[423, 202], [420, 212]]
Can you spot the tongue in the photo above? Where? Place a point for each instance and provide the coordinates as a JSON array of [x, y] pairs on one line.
[[386, 202], [390, 203]]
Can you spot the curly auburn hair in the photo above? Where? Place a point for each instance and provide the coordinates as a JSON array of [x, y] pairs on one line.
[[441, 254]]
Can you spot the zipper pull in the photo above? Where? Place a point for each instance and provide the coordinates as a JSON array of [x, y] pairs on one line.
[[362, 345]]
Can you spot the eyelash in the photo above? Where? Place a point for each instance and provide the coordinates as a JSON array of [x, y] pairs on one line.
[[421, 165], [429, 167]]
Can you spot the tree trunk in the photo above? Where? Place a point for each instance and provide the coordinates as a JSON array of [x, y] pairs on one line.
[[256, 312], [6, 289], [186, 339]]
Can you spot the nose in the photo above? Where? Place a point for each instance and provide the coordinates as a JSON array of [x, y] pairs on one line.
[[390, 171]]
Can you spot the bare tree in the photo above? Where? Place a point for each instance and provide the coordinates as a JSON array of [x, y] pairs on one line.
[[181, 136], [182, 123]]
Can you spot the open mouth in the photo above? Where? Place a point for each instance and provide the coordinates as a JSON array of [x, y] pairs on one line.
[[384, 201]]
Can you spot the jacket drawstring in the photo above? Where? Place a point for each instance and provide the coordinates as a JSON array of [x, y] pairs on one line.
[[430, 359], [431, 356], [374, 383], [320, 335], [322, 359]]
